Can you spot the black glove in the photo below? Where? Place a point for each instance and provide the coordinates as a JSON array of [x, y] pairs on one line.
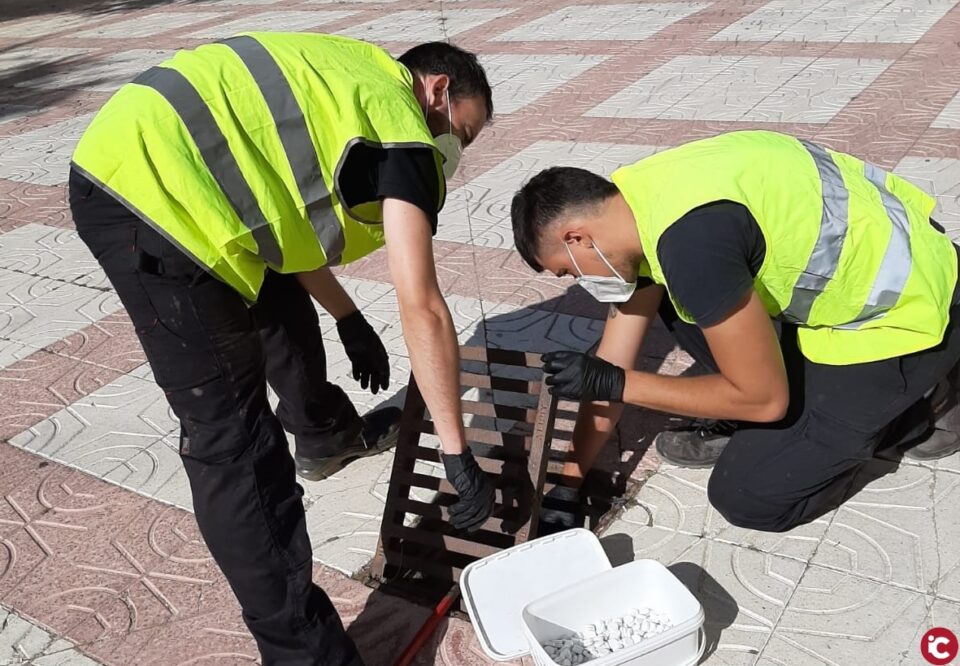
[[576, 376], [476, 494], [371, 365]]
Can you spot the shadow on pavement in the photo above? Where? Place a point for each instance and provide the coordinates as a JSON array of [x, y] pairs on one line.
[[530, 329], [720, 609], [17, 9]]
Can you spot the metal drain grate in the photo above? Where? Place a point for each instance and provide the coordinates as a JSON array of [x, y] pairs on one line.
[[509, 418]]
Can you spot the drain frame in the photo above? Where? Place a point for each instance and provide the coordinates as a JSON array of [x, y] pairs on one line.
[[517, 459]]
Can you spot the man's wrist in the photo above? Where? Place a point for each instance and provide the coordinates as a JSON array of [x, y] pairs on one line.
[[345, 318]]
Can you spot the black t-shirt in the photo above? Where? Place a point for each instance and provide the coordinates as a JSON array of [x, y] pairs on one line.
[[371, 174], [710, 258]]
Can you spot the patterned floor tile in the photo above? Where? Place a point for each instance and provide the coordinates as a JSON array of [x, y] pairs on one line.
[[22, 642], [743, 594], [58, 254], [107, 427], [950, 116], [12, 352], [42, 156], [104, 74], [422, 25], [674, 501], [479, 212], [835, 618], [275, 20], [519, 80], [789, 89], [897, 530], [838, 21], [941, 178], [39, 311], [631, 22], [148, 25]]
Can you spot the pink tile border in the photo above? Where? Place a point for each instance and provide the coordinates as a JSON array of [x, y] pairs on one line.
[[126, 578]]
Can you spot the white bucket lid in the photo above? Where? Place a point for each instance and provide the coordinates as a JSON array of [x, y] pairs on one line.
[[497, 588]]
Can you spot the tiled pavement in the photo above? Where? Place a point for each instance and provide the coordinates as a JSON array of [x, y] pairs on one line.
[[99, 555]]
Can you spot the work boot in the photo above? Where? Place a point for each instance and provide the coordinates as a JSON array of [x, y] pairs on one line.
[[697, 445], [561, 510], [945, 437], [374, 433]]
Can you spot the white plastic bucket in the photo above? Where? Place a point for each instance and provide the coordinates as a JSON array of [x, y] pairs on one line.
[[497, 588], [614, 593]]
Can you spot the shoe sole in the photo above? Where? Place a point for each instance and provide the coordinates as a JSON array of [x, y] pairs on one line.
[[334, 464], [703, 465]]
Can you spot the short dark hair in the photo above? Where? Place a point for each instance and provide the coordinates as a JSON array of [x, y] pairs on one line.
[[467, 76], [550, 194]]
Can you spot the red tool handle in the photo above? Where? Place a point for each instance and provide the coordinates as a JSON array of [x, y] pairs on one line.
[[429, 626]]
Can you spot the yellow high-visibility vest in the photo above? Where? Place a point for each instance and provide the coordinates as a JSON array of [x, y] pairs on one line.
[[234, 150], [851, 256]]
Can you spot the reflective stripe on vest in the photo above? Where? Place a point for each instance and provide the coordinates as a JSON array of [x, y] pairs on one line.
[[825, 258], [897, 260], [297, 144], [212, 144]]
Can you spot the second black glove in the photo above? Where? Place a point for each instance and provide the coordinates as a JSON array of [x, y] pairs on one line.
[[476, 496], [577, 376], [371, 364]]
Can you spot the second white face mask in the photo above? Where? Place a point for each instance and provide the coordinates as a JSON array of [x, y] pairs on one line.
[[605, 289], [449, 145]]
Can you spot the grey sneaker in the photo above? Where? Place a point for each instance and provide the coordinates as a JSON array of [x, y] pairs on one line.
[[940, 444], [377, 433], [944, 439], [697, 445]]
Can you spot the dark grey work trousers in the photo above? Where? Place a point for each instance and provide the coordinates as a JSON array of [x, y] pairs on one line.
[[772, 477], [213, 356]]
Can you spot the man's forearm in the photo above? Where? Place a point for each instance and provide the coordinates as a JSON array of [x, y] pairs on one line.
[[710, 396], [595, 423], [322, 284], [435, 360]]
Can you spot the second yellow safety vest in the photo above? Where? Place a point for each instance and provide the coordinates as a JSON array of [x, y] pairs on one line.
[[235, 151], [851, 256]]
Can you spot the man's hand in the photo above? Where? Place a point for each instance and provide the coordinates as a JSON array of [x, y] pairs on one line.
[[577, 376], [371, 364], [476, 494]]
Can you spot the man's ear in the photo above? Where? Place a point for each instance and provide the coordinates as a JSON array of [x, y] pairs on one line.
[[572, 235], [439, 87]]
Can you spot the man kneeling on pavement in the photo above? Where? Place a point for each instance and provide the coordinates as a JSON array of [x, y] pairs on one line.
[[814, 287]]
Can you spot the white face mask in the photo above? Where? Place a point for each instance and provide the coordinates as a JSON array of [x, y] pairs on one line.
[[449, 146], [604, 289]]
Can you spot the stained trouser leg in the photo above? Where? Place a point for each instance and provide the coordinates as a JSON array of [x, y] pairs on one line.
[[316, 412], [207, 356]]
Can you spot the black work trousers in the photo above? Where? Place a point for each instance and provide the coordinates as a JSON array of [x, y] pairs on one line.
[[213, 356], [775, 476]]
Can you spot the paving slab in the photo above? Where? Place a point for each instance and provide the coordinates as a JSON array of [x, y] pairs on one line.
[[782, 89], [587, 22], [24, 643], [595, 84], [423, 25], [838, 21]]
